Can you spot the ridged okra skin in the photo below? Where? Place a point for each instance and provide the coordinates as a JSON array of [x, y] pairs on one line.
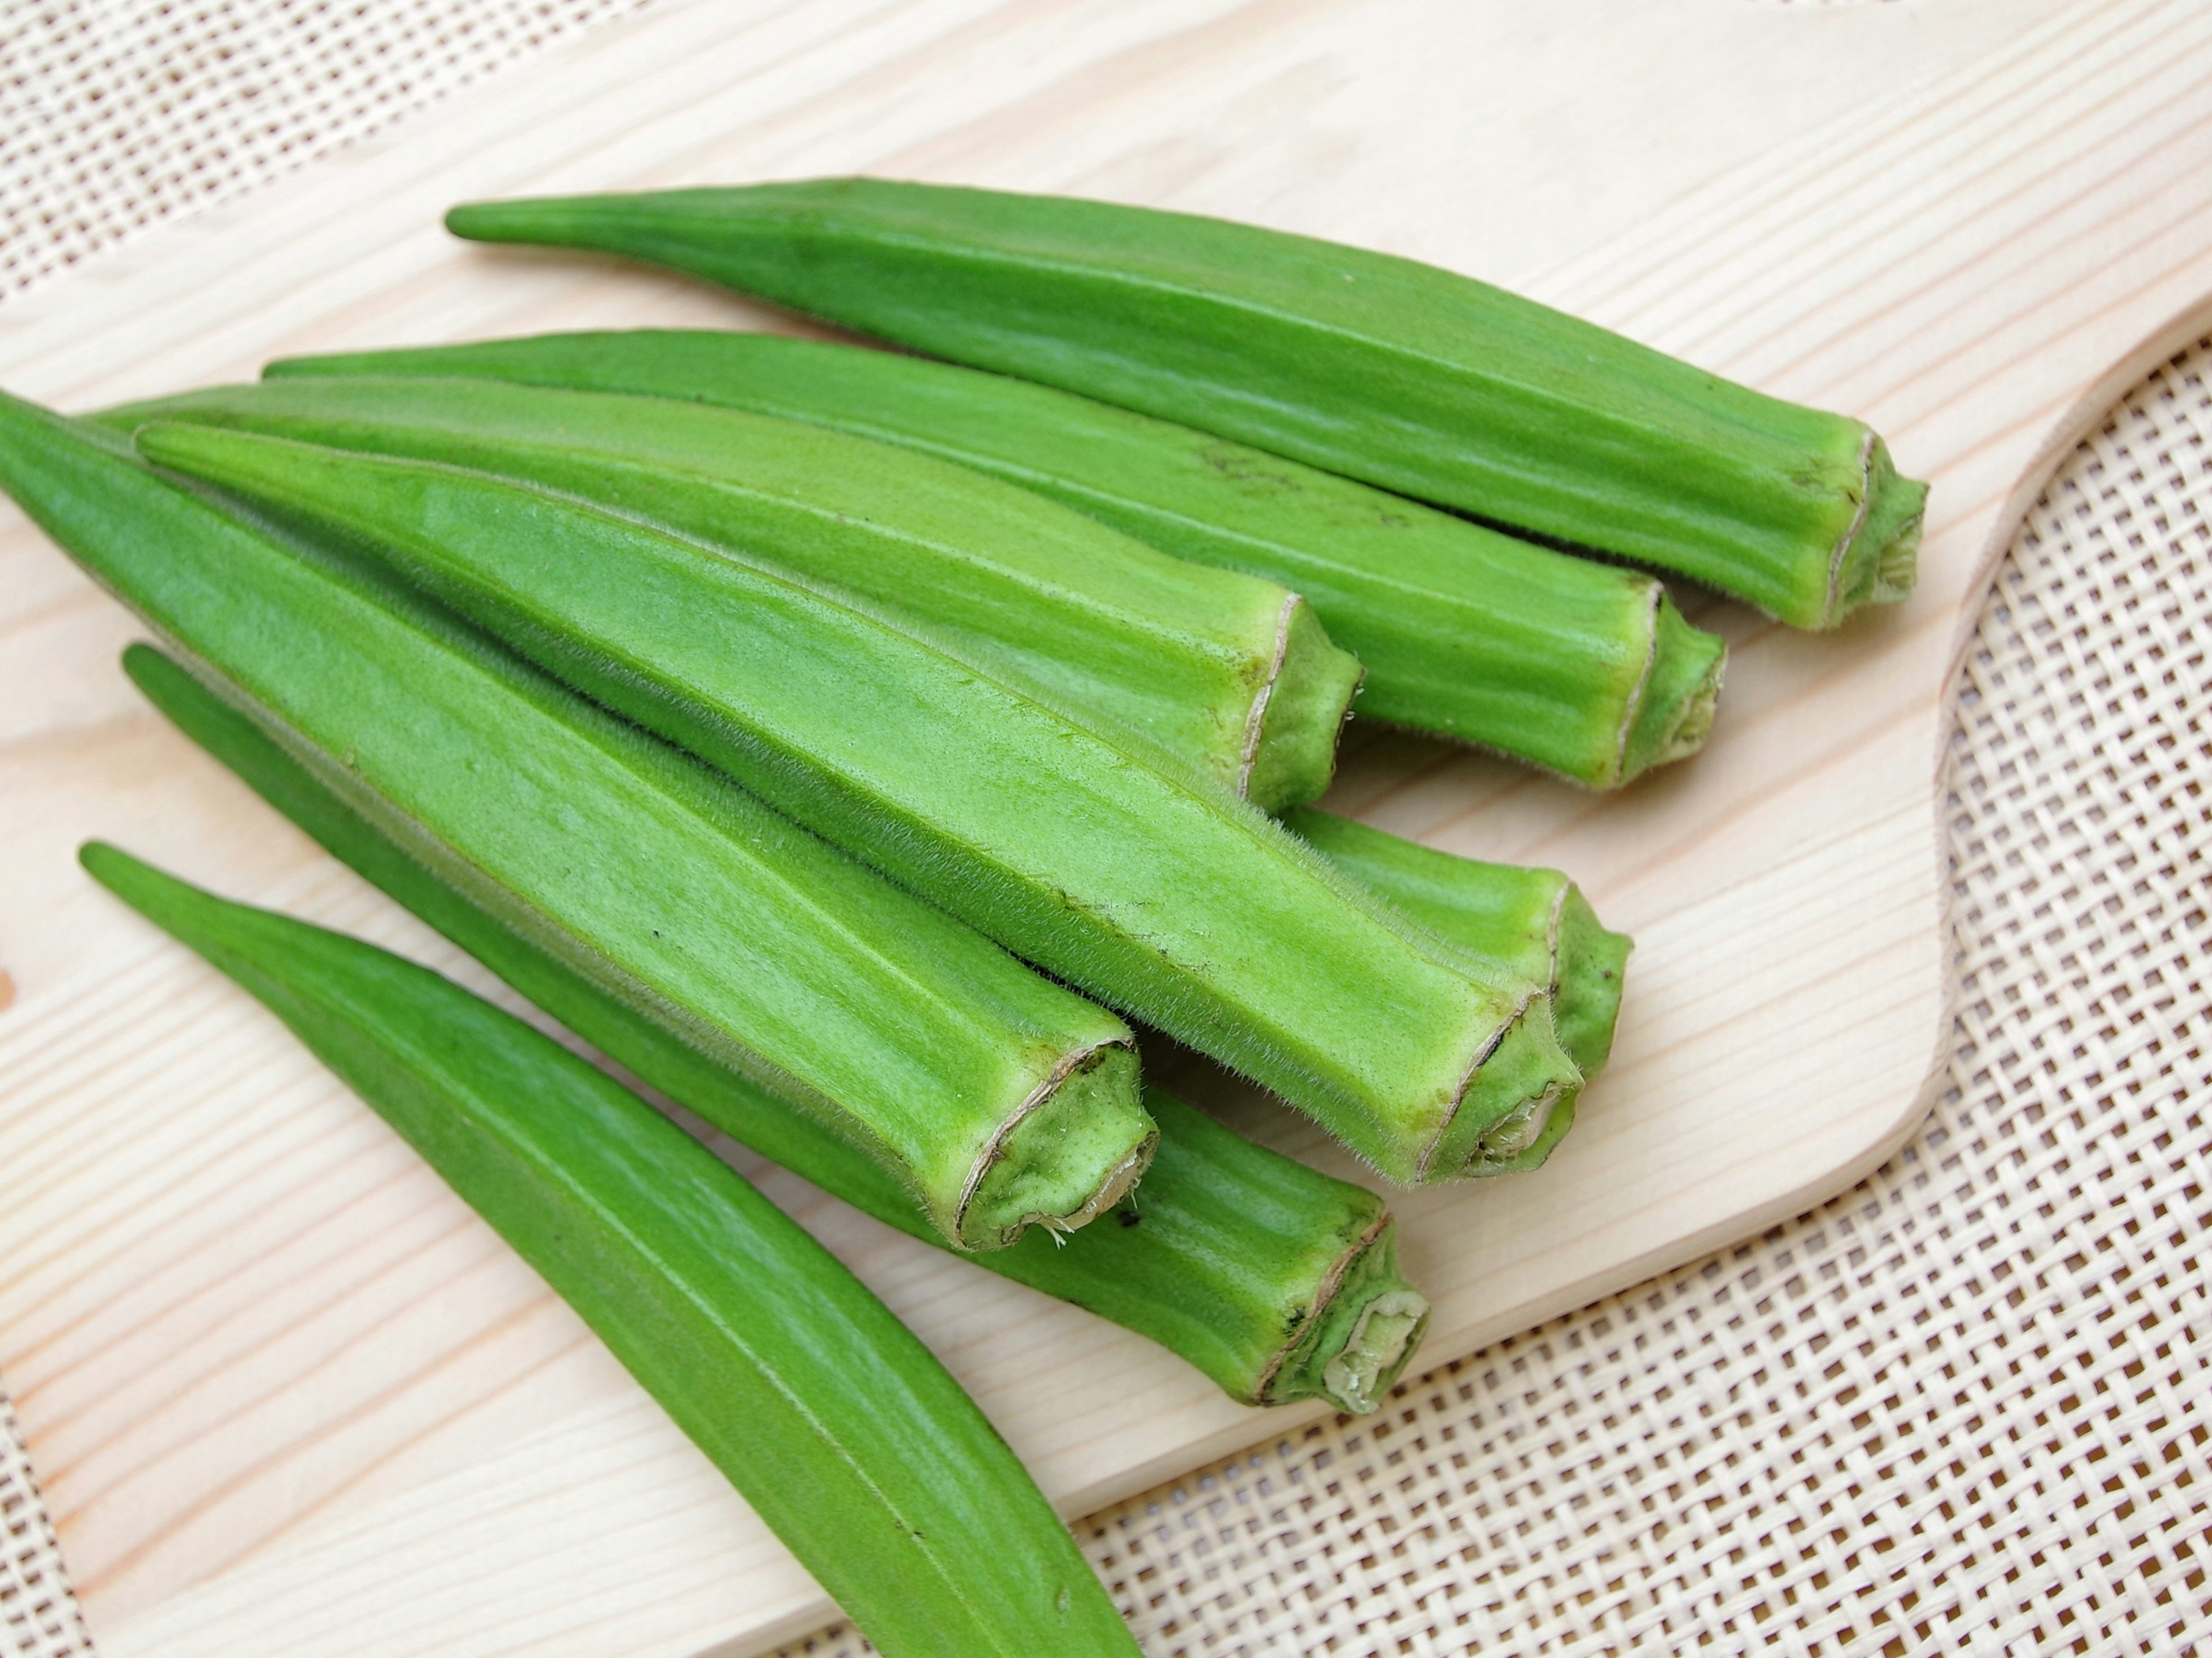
[[1396, 373], [841, 1428], [1169, 899], [1534, 921], [1583, 669], [1278, 1282], [996, 1096], [1232, 673]]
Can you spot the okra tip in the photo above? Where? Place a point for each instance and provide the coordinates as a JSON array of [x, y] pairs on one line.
[[484, 222], [201, 921], [553, 220], [116, 868]]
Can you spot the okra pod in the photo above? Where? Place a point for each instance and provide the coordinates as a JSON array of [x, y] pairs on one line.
[[1533, 921], [1278, 1282], [1221, 670], [1396, 373], [998, 1098], [1172, 901], [840, 1428], [1586, 669]]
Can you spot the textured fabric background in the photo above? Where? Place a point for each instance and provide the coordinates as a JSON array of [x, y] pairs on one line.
[[115, 113], [1962, 1408]]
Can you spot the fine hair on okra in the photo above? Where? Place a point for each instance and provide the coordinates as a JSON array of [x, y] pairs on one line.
[[846, 1434], [1584, 669], [1172, 901], [997, 1098], [1219, 669], [1408, 377], [1278, 1282]]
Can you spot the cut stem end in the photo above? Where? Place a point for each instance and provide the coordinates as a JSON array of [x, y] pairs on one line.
[[1360, 1334], [1878, 560], [1300, 713], [1682, 689], [1069, 1156]]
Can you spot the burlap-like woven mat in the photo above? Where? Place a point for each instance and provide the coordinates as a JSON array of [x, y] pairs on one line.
[[117, 113], [1963, 1407], [38, 1617]]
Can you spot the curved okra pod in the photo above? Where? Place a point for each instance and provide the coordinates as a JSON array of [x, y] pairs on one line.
[[839, 1427], [1402, 374], [1278, 1282], [1171, 899], [1231, 673], [997, 1098], [1584, 669], [1534, 921]]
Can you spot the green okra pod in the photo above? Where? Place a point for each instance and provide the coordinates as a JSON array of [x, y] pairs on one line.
[[840, 1428], [1171, 899], [1534, 921], [1406, 376], [1229, 672], [997, 1098], [1277, 1281], [1584, 669]]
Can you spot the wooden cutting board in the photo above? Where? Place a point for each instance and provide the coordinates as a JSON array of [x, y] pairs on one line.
[[285, 1395]]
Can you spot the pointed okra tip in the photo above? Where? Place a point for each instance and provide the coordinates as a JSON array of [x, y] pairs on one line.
[[140, 885], [551, 220], [487, 222], [200, 450], [197, 918]]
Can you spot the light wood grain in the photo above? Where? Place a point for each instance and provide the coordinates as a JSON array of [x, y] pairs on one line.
[[285, 1395]]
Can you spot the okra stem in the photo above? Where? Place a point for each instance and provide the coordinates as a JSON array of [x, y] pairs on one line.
[[1178, 902], [1533, 921], [1278, 1282], [839, 1427], [1403, 375], [1227, 672], [998, 1099], [1583, 669]]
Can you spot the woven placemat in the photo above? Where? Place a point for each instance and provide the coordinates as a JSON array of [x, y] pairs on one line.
[[39, 1616], [1963, 1407], [115, 114]]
